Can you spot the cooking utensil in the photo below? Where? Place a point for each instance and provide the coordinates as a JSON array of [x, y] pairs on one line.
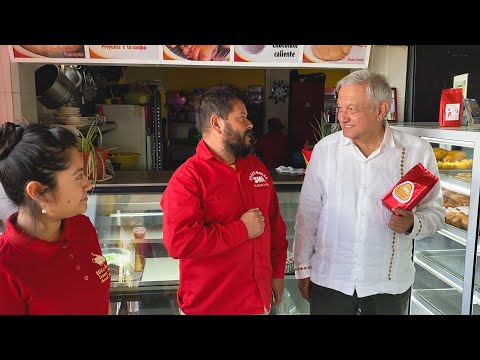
[[53, 87], [74, 75], [90, 89]]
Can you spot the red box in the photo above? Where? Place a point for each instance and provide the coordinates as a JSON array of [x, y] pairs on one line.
[[411, 189]]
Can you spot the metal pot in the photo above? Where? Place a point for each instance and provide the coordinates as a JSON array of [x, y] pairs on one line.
[[73, 75], [53, 88]]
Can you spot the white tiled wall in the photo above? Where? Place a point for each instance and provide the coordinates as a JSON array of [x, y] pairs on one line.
[[6, 96], [17, 90], [391, 61]]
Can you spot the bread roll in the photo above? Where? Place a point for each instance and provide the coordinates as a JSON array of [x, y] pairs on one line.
[[331, 52]]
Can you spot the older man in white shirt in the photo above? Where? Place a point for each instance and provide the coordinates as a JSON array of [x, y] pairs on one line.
[[351, 253]]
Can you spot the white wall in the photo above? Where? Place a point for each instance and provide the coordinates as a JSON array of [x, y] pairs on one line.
[[391, 61]]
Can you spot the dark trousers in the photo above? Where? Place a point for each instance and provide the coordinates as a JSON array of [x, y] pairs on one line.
[[325, 301]]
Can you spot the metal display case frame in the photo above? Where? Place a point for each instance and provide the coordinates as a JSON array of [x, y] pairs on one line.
[[159, 297], [427, 258]]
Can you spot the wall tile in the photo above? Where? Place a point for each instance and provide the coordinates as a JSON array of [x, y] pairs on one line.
[[17, 107], [6, 102], [27, 77], [15, 78], [29, 107]]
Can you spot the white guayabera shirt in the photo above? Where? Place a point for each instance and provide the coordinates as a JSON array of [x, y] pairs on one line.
[[342, 239]]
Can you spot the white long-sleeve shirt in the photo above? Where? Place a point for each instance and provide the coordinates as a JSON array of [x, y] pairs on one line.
[[342, 239]]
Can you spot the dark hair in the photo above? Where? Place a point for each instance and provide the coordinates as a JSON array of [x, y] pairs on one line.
[[32, 153], [217, 100]]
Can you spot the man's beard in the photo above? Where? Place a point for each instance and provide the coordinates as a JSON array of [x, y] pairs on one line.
[[237, 145]]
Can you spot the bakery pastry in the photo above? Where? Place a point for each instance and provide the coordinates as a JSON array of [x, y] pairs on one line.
[[464, 164], [457, 154], [331, 52], [440, 153], [445, 165], [457, 219]]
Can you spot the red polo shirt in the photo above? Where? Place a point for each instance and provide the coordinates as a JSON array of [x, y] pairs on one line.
[[221, 270], [65, 277]]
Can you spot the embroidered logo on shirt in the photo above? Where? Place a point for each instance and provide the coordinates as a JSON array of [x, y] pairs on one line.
[[102, 273], [259, 179], [403, 192]]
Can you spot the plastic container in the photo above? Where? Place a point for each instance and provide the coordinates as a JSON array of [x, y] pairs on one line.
[[124, 160], [136, 98]]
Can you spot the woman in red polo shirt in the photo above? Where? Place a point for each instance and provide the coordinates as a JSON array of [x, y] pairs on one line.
[[50, 257]]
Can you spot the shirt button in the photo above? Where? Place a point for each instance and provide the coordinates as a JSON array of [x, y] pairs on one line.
[[64, 246], [70, 256], [86, 277], [78, 267]]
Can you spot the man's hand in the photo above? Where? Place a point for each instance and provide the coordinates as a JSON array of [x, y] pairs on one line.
[[402, 222], [254, 221], [304, 287], [277, 290]]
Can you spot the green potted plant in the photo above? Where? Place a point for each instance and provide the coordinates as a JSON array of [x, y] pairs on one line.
[[321, 128], [93, 156]]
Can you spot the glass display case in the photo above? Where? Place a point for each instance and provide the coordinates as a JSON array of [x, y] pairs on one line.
[[446, 280], [129, 222]]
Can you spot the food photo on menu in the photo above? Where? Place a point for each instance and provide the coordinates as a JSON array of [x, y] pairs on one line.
[[197, 52], [51, 51], [335, 53], [266, 53]]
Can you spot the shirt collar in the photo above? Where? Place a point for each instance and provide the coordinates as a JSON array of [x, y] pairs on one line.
[[203, 151], [388, 139], [32, 245]]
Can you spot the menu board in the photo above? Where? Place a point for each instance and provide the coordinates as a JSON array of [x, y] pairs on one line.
[[339, 56], [150, 53], [276, 55], [261, 56], [49, 51]]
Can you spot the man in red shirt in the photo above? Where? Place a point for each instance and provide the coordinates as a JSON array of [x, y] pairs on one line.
[[222, 217], [273, 146]]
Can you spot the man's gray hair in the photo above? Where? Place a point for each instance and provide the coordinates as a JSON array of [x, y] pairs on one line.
[[378, 88]]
